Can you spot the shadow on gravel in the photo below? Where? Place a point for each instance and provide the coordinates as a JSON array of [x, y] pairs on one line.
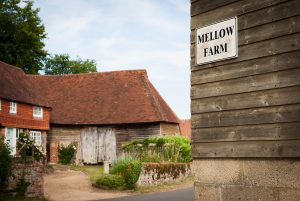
[[186, 194]]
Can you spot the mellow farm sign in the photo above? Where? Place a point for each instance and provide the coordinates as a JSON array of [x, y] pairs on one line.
[[217, 41]]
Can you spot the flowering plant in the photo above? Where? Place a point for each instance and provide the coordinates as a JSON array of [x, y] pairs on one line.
[[28, 150]]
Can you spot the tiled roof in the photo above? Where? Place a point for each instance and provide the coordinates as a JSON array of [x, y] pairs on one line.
[[15, 86], [185, 128], [103, 98]]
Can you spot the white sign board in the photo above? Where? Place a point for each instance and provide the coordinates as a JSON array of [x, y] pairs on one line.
[[217, 41]]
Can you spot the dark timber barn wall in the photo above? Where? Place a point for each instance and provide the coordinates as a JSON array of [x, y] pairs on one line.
[[246, 110], [66, 134]]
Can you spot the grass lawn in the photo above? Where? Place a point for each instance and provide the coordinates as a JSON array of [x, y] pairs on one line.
[[93, 171]]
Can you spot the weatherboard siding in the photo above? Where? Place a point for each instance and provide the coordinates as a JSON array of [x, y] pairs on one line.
[[24, 117], [66, 134], [127, 132], [248, 106], [169, 128]]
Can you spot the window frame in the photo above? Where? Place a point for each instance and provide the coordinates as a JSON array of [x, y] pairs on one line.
[[13, 107], [34, 137], [39, 114]]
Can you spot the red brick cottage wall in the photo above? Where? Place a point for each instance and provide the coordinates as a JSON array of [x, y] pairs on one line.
[[23, 118]]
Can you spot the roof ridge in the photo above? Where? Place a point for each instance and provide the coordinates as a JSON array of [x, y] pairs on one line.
[[137, 71]]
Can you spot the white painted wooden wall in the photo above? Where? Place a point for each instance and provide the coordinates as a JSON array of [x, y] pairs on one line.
[[98, 144]]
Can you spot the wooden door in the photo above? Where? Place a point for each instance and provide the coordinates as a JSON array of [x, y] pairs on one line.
[[98, 144]]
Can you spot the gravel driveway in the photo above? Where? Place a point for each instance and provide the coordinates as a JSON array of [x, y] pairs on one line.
[[64, 184]]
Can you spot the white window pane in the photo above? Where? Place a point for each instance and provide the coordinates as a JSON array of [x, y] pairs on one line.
[[13, 107], [37, 137], [37, 112]]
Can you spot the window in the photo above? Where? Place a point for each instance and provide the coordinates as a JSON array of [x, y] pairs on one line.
[[37, 137], [37, 112], [13, 108]]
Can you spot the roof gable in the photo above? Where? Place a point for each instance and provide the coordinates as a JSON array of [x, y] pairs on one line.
[[103, 98], [15, 86]]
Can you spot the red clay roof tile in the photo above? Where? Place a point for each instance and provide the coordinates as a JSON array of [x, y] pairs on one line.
[[88, 99], [103, 98], [185, 128], [15, 86]]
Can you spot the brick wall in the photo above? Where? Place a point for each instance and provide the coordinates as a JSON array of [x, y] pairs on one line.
[[33, 174], [53, 151], [61, 135], [24, 117]]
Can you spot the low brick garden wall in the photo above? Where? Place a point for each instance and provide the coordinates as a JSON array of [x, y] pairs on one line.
[[158, 173], [33, 174]]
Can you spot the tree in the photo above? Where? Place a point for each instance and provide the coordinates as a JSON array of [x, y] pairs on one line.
[[21, 35], [61, 64]]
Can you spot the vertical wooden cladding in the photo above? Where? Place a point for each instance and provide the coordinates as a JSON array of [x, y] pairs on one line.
[[249, 106]]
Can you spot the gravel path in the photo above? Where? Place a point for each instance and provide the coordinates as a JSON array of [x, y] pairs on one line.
[[66, 185]]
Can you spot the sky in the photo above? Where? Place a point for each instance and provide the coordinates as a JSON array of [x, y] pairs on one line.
[[126, 34]]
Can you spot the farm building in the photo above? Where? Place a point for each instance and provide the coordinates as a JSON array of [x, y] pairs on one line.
[[100, 111], [21, 107]]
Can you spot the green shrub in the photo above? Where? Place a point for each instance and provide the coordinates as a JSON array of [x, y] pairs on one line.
[[65, 154], [165, 148], [5, 163], [129, 169], [111, 181]]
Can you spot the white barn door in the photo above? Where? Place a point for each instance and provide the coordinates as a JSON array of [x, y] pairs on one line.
[[98, 144]]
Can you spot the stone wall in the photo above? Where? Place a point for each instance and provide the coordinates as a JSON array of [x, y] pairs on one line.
[[247, 179], [33, 173], [159, 173]]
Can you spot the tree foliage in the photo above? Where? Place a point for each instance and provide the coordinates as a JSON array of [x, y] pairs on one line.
[[21, 35], [61, 64]]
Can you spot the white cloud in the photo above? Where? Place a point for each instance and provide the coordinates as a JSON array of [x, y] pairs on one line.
[[130, 34]]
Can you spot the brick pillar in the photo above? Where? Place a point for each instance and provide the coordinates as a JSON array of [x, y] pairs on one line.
[[53, 152]]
